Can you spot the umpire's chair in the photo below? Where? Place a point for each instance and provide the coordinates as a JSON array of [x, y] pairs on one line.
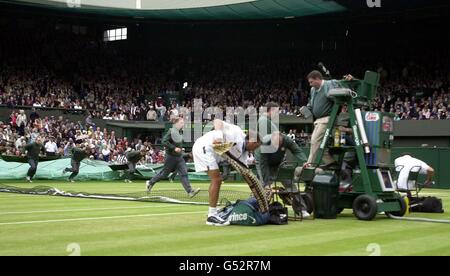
[[290, 196]]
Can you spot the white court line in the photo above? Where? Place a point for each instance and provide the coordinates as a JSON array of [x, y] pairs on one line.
[[90, 209], [98, 218], [8, 195]]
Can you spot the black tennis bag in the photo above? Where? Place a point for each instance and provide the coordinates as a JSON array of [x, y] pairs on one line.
[[426, 205], [278, 214]]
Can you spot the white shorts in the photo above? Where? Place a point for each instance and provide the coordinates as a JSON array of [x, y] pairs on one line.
[[403, 181], [205, 159]]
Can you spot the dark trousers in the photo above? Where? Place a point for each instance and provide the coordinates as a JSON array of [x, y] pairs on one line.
[[75, 169], [21, 129], [172, 164], [131, 170], [33, 167]]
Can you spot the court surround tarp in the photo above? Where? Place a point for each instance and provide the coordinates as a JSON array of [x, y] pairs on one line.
[[89, 170]]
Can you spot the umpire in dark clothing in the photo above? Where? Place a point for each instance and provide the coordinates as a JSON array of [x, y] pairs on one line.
[[173, 142], [33, 151]]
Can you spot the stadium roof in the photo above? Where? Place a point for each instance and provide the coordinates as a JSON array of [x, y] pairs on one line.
[[192, 9]]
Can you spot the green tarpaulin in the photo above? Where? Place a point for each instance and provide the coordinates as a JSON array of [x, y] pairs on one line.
[[89, 170]]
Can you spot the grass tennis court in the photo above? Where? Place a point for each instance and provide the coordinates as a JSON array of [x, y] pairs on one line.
[[49, 225]]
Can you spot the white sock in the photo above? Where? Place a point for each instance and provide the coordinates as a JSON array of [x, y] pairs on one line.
[[212, 211]]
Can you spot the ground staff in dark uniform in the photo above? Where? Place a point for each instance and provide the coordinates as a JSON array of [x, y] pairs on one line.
[[33, 151], [173, 143], [133, 157], [78, 154], [267, 165]]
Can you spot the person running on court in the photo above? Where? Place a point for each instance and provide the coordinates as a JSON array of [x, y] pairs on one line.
[[133, 157], [78, 154], [32, 151], [206, 160], [173, 142]]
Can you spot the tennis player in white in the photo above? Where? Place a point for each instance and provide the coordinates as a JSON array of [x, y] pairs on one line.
[[406, 164], [206, 160]]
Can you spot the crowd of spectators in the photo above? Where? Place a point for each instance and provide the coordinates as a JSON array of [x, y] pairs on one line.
[[68, 71], [60, 136]]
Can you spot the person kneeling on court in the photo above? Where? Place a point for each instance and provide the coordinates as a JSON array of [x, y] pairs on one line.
[[406, 164], [268, 164], [206, 160], [78, 154]]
